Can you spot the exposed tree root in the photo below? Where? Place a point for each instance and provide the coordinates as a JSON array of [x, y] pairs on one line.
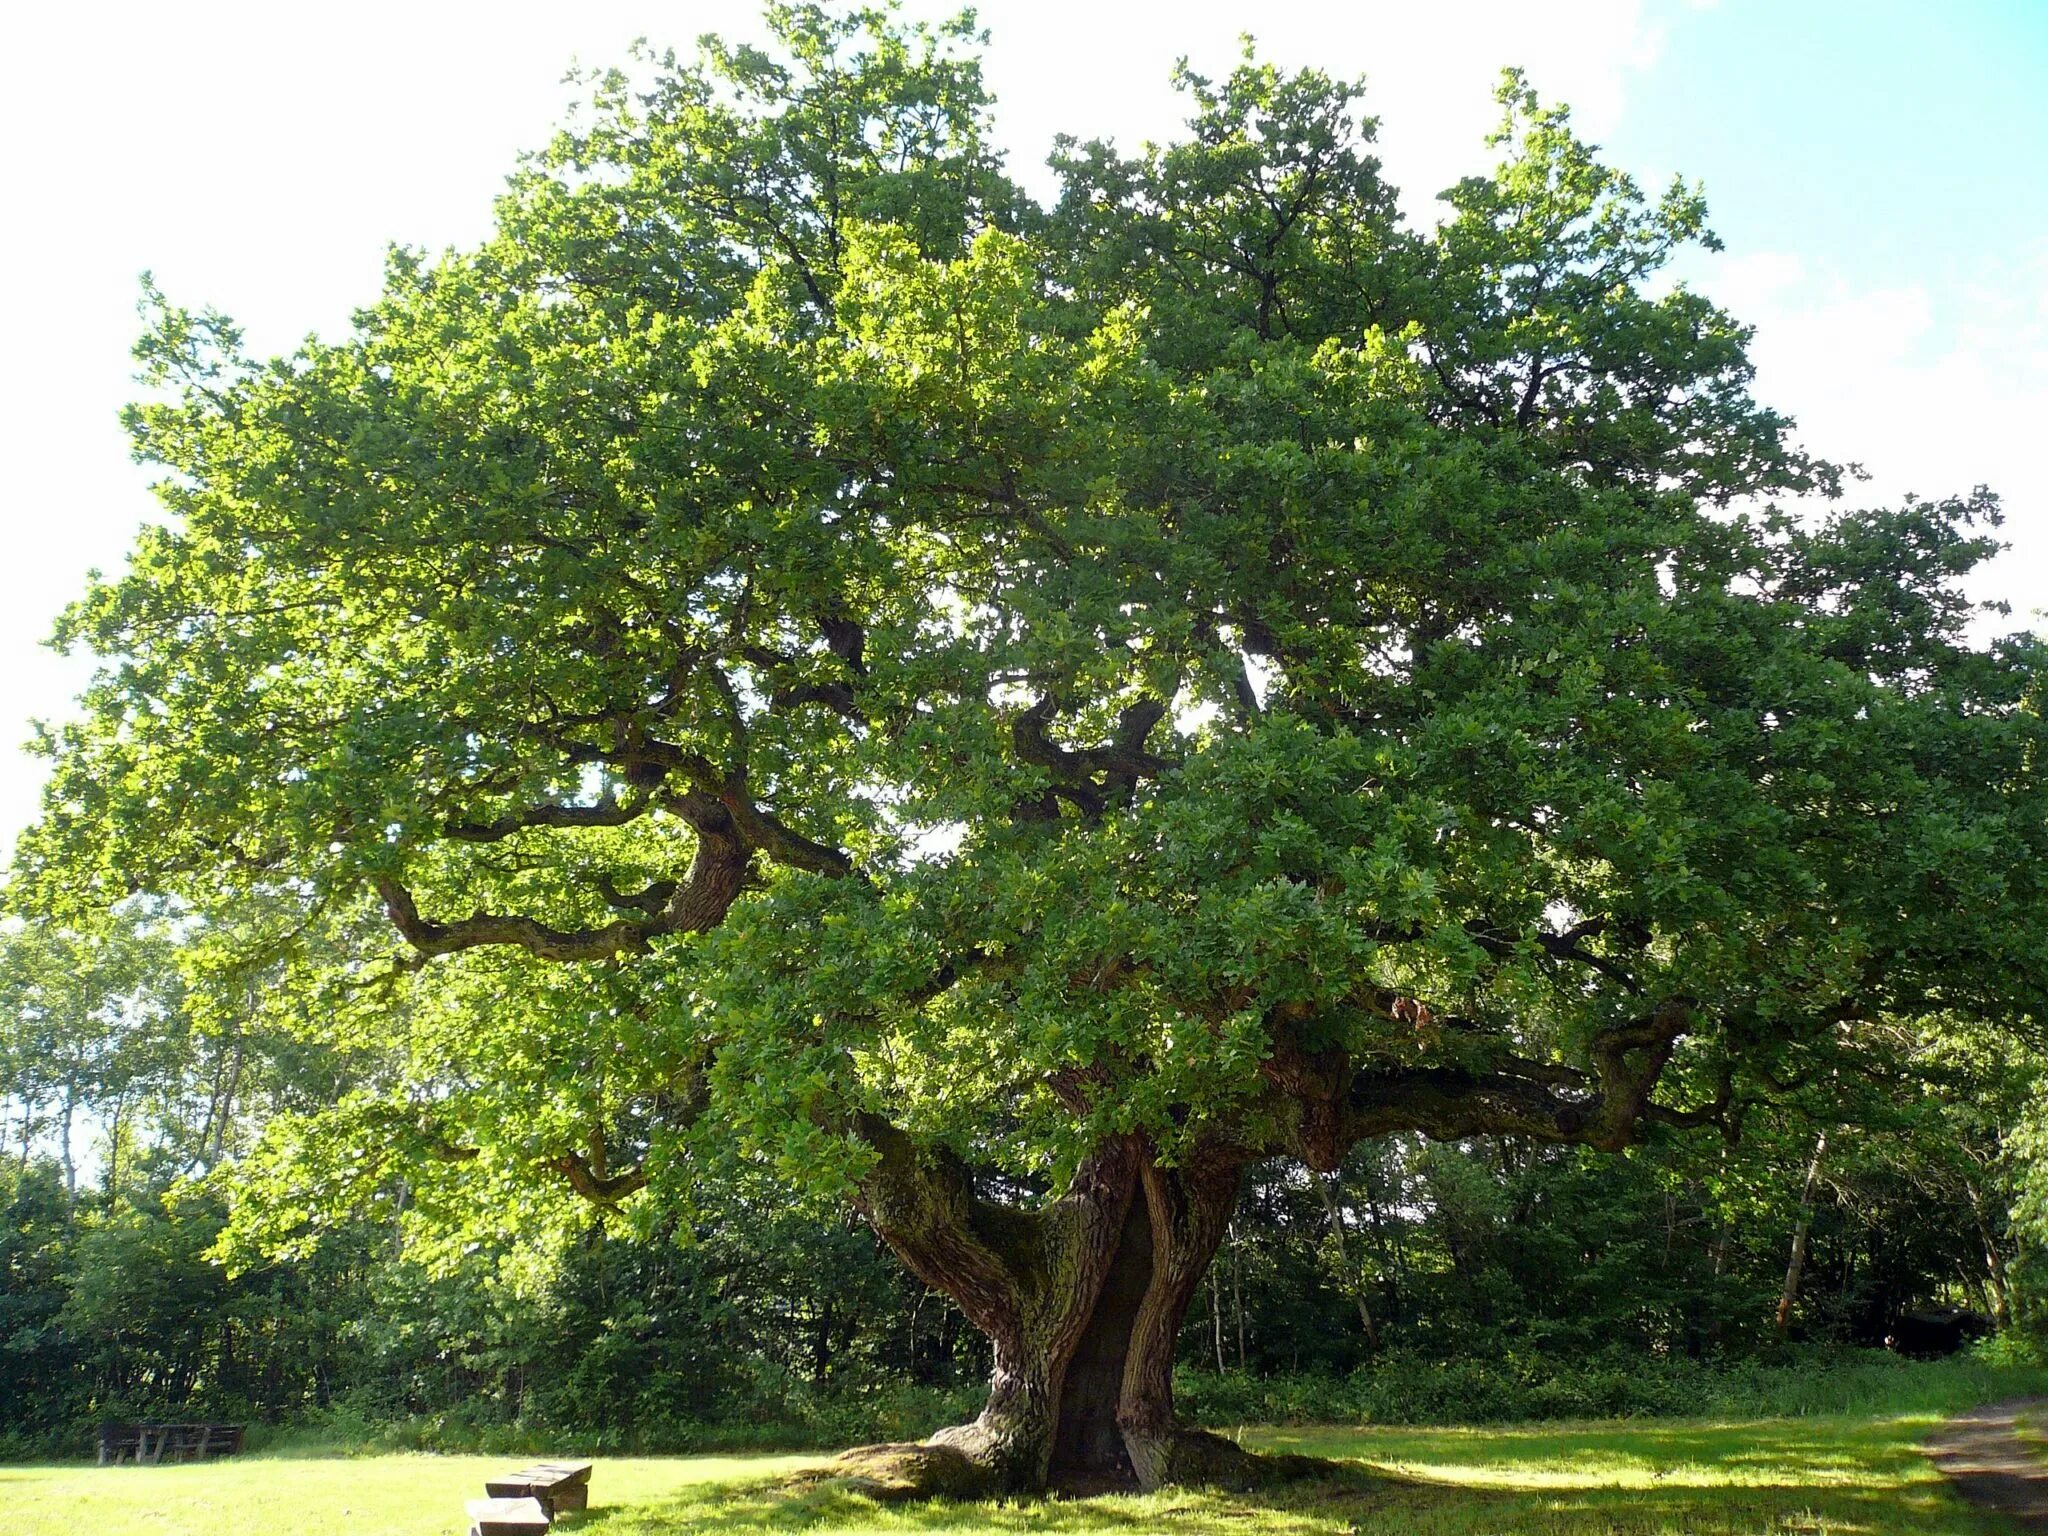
[[1197, 1458], [897, 1474]]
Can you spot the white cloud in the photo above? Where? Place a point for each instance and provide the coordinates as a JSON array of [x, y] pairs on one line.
[[1932, 392], [1101, 70]]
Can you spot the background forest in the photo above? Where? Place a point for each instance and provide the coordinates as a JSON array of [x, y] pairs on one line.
[[1481, 1280]]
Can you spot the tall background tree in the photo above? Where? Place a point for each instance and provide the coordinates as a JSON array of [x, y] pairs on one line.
[[1018, 715]]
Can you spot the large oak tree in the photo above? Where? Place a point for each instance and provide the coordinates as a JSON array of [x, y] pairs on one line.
[[1011, 713]]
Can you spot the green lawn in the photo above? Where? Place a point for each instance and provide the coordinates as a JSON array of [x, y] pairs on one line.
[[1814, 1475]]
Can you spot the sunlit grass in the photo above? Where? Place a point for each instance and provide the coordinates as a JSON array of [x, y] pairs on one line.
[[1840, 1476], [387, 1495]]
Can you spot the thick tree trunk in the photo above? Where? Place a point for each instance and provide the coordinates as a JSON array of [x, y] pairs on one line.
[[1189, 1210], [1088, 1444], [1082, 1302]]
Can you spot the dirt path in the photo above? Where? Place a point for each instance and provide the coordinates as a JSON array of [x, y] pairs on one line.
[[1984, 1458]]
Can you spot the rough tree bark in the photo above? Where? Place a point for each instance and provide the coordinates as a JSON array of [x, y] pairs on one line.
[[1082, 1302], [1188, 1209], [1083, 1299]]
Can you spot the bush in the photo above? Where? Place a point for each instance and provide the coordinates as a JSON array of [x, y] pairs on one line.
[[795, 1416], [1402, 1388]]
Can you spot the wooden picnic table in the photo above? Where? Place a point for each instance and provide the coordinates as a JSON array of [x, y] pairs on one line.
[[507, 1517], [557, 1485], [150, 1444]]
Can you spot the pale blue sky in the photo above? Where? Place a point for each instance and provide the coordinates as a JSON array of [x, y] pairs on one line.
[[1875, 167], [1902, 138]]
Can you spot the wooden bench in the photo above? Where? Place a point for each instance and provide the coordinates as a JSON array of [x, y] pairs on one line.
[[507, 1517], [556, 1485], [150, 1444]]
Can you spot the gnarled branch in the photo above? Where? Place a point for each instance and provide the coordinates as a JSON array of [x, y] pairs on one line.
[[597, 1186], [608, 812], [430, 938], [1540, 1100], [1090, 778], [699, 901]]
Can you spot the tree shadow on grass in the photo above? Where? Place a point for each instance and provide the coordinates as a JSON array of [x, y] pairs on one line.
[[1822, 1475], [1331, 1501], [1840, 1477]]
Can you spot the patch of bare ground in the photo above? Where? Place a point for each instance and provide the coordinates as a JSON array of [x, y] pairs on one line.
[[1994, 1464]]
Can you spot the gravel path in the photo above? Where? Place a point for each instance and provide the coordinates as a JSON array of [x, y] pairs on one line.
[[1984, 1458]]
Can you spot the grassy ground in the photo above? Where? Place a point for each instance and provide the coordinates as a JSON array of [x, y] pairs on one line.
[[389, 1495], [2033, 1429], [1816, 1475]]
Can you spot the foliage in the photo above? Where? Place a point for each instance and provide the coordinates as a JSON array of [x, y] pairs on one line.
[[835, 673], [2030, 1212], [777, 483], [1403, 1388]]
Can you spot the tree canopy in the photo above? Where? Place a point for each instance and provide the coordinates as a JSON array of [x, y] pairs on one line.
[[818, 658]]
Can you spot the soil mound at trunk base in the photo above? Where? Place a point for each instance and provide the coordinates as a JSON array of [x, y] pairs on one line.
[[896, 1474]]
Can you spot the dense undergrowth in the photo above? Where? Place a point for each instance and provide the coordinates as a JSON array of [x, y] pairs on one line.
[[1529, 1389]]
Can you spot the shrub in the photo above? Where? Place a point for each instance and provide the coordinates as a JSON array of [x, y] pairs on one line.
[[1515, 1387]]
